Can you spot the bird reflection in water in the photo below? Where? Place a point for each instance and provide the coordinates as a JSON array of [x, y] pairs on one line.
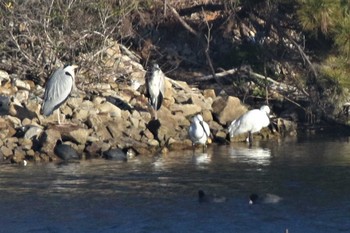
[[201, 159], [251, 155]]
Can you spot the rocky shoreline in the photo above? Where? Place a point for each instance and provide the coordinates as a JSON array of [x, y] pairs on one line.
[[109, 114]]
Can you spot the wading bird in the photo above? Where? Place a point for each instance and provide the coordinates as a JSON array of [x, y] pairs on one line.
[[250, 122], [57, 89], [268, 198], [155, 88], [199, 131], [203, 197]]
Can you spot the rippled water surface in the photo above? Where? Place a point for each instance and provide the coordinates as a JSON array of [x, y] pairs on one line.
[[159, 194]]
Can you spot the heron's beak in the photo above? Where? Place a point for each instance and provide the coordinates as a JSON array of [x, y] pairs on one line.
[[74, 66]]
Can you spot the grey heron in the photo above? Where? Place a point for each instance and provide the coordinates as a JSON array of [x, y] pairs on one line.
[[57, 89], [155, 88], [252, 121], [199, 131]]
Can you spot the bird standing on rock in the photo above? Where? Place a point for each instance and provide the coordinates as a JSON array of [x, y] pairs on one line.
[[251, 122], [155, 88], [57, 89], [199, 131]]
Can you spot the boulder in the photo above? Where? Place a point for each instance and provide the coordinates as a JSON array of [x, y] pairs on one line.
[[79, 135], [226, 109], [109, 108], [185, 109], [48, 141], [5, 151], [18, 156]]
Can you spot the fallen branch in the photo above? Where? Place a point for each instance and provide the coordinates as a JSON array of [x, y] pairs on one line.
[[218, 75]]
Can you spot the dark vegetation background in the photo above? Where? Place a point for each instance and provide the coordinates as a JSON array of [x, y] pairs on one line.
[[302, 43]]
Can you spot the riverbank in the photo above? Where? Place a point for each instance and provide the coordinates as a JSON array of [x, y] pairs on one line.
[[110, 114]]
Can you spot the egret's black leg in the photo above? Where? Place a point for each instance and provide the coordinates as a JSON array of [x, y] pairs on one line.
[[250, 138]]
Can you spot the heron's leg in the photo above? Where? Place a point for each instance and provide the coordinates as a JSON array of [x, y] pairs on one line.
[[58, 116], [155, 115]]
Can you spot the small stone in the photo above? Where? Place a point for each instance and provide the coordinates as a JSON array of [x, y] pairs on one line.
[[153, 142], [22, 96], [4, 76], [21, 85], [209, 93]]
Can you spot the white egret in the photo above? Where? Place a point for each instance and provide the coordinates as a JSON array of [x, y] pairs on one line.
[[57, 89], [199, 131], [155, 88], [250, 122]]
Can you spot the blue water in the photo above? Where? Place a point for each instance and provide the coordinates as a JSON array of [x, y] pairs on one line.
[[159, 194]]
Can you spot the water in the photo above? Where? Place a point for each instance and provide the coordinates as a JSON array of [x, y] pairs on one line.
[[159, 194]]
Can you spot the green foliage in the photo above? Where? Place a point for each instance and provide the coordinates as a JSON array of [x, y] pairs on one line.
[[342, 35], [337, 69], [315, 15], [332, 18]]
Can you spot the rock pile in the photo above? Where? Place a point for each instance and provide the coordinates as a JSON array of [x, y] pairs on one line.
[[107, 115]]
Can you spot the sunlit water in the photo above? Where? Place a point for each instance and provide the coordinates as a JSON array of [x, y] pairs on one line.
[[159, 194]]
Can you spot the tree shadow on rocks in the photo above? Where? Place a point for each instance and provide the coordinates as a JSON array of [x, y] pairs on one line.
[[4, 105], [153, 126], [119, 103]]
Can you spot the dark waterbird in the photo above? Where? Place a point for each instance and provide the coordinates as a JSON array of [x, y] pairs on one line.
[[203, 197], [115, 154], [65, 152], [268, 198]]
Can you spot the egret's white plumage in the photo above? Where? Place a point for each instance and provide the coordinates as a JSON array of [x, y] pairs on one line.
[[199, 130], [250, 122], [58, 88], [156, 88]]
